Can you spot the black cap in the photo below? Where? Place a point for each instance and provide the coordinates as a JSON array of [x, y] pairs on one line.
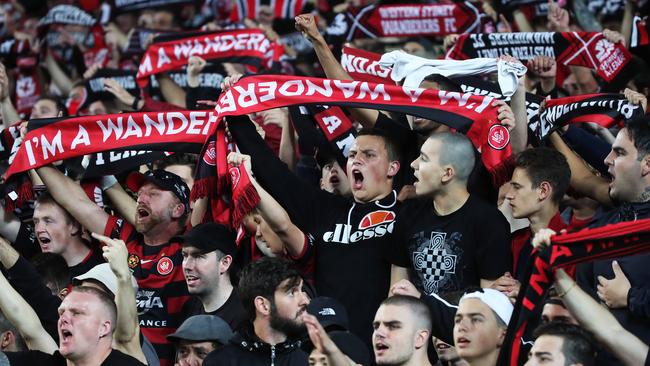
[[330, 313], [163, 179], [203, 328], [209, 237]]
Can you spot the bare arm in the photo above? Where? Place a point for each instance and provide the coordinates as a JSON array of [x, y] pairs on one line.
[[9, 225], [9, 114], [583, 179], [522, 22], [397, 274], [21, 315], [72, 197], [122, 201], [274, 215], [125, 336], [306, 24], [59, 77], [172, 93], [287, 151], [598, 320]]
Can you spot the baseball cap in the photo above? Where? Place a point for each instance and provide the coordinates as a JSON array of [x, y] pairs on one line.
[[496, 300], [104, 275], [330, 313], [209, 237], [163, 179], [203, 328]]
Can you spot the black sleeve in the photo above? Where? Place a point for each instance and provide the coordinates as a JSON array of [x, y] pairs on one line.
[[442, 317], [31, 358], [638, 301], [396, 249], [304, 204], [494, 252], [25, 279]]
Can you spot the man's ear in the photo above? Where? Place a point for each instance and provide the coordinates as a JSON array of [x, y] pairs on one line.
[[448, 173], [262, 305], [63, 293], [105, 329], [422, 338], [645, 165], [393, 168], [502, 336], [178, 210], [6, 339], [224, 264], [545, 190]]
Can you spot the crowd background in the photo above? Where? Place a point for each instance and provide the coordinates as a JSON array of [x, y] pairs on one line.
[[346, 235]]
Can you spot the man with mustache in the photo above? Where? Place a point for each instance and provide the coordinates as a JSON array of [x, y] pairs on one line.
[[161, 212], [271, 291]]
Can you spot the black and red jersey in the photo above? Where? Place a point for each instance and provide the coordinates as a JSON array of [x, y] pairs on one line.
[[162, 290]]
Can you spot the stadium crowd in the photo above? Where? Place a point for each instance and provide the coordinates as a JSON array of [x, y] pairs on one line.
[[309, 182]]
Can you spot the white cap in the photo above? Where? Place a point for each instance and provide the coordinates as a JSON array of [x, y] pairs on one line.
[[496, 300], [103, 274]]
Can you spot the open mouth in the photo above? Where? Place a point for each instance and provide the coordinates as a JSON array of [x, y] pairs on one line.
[[44, 240], [334, 180], [142, 213], [191, 280], [462, 342], [380, 348], [442, 346], [65, 335], [357, 179]]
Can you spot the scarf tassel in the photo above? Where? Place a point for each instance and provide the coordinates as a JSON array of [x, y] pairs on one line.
[[245, 201]]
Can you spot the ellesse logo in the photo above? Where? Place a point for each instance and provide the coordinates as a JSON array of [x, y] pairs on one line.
[[374, 225], [376, 218]]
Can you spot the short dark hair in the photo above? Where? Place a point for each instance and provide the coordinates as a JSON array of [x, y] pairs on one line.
[[6, 325], [638, 130], [415, 305], [543, 164], [104, 298], [47, 198], [262, 278], [577, 344], [186, 159], [392, 151], [60, 104], [53, 269]]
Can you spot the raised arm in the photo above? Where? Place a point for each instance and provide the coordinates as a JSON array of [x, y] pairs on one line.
[[306, 24], [72, 197], [127, 329], [274, 215], [598, 320], [122, 202], [21, 315], [9, 114], [583, 179]]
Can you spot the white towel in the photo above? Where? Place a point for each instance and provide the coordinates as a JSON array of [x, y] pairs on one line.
[[413, 69]]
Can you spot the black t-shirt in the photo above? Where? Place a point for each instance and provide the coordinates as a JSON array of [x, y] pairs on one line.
[[32, 358], [449, 253], [232, 311], [93, 258]]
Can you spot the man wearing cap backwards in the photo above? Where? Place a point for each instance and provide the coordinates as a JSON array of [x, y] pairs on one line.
[[161, 213], [480, 326], [197, 337], [208, 251], [271, 292]]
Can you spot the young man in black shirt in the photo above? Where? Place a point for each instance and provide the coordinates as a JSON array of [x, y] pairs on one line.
[[208, 251], [271, 292], [448, 239]]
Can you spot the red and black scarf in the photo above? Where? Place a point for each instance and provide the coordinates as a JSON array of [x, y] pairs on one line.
[[248, 46], [228, 188], [610, 241], [467, 113], [587, 49], [409, 20], [604, 109], [364, 65], [53, 139]]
